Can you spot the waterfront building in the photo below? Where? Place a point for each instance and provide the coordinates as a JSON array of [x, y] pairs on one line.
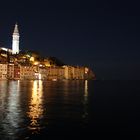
[[27, 72], [74, 72], [10, 71], [67, 74], [78, 72], [3, 71], [42, 73], [16, 72], [55, 72]]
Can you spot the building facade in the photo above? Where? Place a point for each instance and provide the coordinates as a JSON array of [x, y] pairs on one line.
[[27, 72], [3, 71]]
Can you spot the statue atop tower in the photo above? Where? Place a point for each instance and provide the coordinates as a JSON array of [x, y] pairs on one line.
[[15, 41]]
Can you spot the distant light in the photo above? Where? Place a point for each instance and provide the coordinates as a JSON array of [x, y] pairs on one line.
[[11, 64], [36, 74], [86, 70], [36, 63], [54, 79], [39, 76], [28, 55], [32, 59], [6, 49]]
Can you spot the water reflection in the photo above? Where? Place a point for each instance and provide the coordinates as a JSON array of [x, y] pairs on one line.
[[85, 102], [13, 103], [86, 88], [3, 92], [11, 109], [23, 107], [35, 107]]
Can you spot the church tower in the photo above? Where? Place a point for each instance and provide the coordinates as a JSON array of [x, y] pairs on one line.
[[15, 41]]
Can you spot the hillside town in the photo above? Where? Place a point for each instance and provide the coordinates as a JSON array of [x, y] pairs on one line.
[[16, 64]]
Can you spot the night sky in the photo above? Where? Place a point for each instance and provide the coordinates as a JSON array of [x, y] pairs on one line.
[[103, 35]]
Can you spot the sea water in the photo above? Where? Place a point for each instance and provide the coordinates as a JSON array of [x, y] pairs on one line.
[[69, 109]]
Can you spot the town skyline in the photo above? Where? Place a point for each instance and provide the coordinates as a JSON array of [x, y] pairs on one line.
[[16, 64]]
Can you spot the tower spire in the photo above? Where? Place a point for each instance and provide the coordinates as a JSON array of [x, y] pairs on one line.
[[16, 29], [15, 42]]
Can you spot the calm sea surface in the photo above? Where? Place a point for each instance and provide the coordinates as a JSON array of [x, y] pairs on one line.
[[69, 109]]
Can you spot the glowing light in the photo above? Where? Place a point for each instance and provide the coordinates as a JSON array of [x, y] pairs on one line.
[[85, 114], [36, 74], [5, 49], [47, 65], [28, 55], [39, 76], [86, 70], [32, 59], [36, 63], [35, 108], [11, 64], [54, 79], [86, 88]]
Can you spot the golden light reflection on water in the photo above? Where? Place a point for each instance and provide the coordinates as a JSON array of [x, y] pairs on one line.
[[86, 88], [35, 107], [85, 114]]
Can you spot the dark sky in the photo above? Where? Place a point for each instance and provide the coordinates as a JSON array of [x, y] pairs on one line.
[[101, 34]]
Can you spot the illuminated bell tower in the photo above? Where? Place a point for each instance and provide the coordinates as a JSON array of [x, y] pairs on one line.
[[15, 42]]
